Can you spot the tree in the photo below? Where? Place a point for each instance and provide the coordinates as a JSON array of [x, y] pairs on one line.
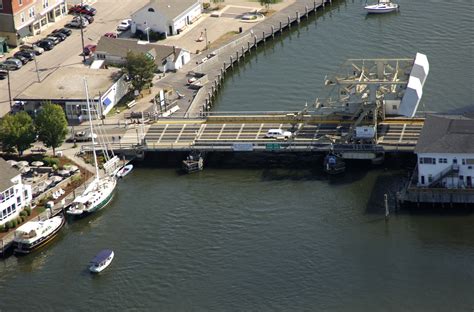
[[267, 3], [17, 132], [51, 125], [140, 68]]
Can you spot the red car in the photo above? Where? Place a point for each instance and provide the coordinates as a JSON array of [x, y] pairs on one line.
[[89, 49], [110, 35], [83, 9]]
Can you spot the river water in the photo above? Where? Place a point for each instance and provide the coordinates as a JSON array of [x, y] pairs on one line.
[[277, 239]]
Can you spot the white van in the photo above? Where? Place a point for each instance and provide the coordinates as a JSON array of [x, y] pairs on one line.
[[278, 134]]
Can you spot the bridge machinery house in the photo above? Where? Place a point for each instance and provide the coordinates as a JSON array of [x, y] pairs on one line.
[[14, 195], [445, 152], [166, 58], [66, 87], [166, 16]]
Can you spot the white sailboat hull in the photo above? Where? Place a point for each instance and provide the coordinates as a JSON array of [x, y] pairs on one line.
[[381, 8]]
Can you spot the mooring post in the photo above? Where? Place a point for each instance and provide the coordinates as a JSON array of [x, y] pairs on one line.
[[273, 32], [314, 6], [237, 56], [324, 2], [263, 36], [255, 41], [231, 62], [306, 10], [248, 46], [243, 52], [280, 27], [387, 212], [298, 17], [289, 24]]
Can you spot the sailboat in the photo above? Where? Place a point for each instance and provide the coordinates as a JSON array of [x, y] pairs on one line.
[[383, 6], [101, 190]]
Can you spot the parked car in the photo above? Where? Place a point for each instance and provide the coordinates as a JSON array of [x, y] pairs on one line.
[[81, 136], [11, 64], [65, 31], [76, 23], [22, 58], [278, 133], [124, 25], [58, 35], [37, 50], [89, 18], [110, 35], [55, 40], [89, 49], [29, 55], [45, 44], [82, 9], [3, 73]]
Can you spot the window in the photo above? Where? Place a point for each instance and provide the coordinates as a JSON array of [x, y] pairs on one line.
[[442, 161], [428, 160], [470, 161], [31, 12], [22, 17], [394, 107], [18, 200], [20, 2], [455, 161], [45, 4], [1, 8]]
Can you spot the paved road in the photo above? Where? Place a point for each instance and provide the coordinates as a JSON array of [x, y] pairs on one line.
[[67, 53]]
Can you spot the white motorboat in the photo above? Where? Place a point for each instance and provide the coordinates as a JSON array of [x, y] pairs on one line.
[[101, 190], [124, 171], [35, 234], [383, 6], [101, 261]]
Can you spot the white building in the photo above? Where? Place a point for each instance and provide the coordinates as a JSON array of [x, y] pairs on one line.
[[166, 16], [14, 195], [445, 152], [65, 87], [166, 58]]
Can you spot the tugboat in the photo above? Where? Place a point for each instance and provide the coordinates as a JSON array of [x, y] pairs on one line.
[[35, 234], [334, 164]]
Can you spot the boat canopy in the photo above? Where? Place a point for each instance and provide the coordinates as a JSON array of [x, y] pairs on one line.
[[101, 256], [83, 198]]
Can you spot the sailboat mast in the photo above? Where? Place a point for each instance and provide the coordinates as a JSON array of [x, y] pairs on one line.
[[92, 130]]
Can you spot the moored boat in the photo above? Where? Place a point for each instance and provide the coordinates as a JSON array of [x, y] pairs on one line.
[[334, 164], [101, 261], [122, 172], [35, 234], [383, 6]]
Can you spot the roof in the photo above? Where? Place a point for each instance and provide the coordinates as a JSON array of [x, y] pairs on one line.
[[8, 173], [170, 8], [66, 84], [120, 47], [102, 256], [29, 226], [446, 134]]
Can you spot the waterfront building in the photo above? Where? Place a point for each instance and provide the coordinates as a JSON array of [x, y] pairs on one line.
[[14, 195], [106, 87], [166, 16], [445, 156], [166, 58], [22, 18]]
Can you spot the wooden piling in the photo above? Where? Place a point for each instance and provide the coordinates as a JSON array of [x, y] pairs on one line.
[[273, 32], [298, 17], [289, 24]]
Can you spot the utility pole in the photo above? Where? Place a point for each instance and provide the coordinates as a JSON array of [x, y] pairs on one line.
[[36, 66], [82, 34], [9, 89], [205, 34]]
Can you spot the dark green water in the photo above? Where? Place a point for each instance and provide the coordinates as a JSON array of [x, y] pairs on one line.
[[276, 239]]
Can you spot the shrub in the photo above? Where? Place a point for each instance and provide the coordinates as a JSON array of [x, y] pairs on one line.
[[2, 228], [23, 213], [206, 5], [19, 220], [8, 225], [28, 210], [23, 218], [13, 223], [51, 161]]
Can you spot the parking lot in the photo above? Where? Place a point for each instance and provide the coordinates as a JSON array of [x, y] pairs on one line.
[[67, 53]]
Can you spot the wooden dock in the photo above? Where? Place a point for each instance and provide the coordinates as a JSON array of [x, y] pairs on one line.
[[224, 58]]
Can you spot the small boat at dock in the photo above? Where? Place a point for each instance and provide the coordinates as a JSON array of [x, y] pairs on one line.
[[383, 6], [122, 172], [35, 234], [334, 164], [101, 261]]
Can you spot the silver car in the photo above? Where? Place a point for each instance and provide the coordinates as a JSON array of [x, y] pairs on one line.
[[12, 64]]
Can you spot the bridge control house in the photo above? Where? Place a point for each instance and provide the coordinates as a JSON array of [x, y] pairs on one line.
[[445, 154]]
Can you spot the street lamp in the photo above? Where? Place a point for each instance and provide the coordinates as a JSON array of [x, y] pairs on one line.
[[9, 88], [82, 34], [205, 34]]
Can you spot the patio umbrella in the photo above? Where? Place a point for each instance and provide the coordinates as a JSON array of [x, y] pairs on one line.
[[56, 179], [22, 163], [11, 162], [63, 172], [37, 163], [24, 169]]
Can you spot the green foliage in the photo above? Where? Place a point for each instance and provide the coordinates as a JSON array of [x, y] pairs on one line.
[[13, 223], [51, 124], [19, 220], [206, 5], [17, 132], [28, 210], [267, 3], [140, 68], [51, 161], [2, 228], [23, 213], [8, 225]]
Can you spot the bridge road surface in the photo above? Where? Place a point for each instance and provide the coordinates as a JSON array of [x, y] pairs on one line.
[[67, 53], [391, 134]]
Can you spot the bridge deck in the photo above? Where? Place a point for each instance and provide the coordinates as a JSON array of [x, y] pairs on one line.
[[392, 135]]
